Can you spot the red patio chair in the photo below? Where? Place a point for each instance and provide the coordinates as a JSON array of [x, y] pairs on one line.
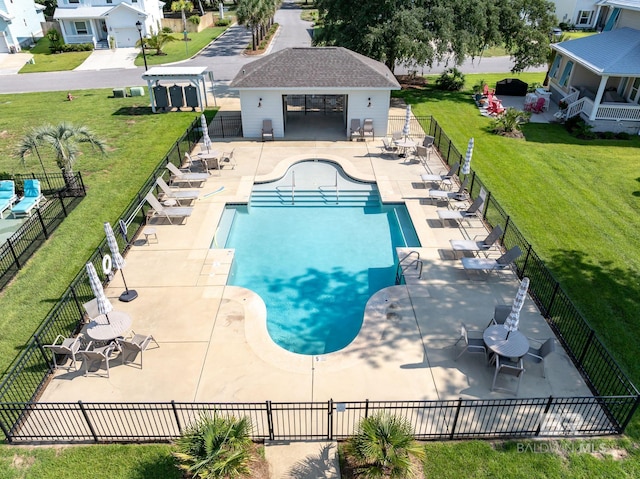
[[538, 106]]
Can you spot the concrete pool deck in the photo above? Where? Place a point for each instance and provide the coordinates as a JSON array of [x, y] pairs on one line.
[[214, 346]]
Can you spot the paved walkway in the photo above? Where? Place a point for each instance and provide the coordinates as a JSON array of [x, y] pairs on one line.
[[11, 63], [120, 58]]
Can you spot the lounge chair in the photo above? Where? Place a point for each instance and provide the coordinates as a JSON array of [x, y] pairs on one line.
[[267, 130], [31, 199], [7, 195], [457, 215], [475, 245], [137, 344], [459, 195], [173, 193], [490, 264], [178, 176], [443, 178], [167, 211], [355, 130], [93, 357], [367, 128], [67, 347]]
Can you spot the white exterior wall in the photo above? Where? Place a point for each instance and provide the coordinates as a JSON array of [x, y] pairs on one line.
[[568, 11], [272, 108], [121, 25], [25, 28]]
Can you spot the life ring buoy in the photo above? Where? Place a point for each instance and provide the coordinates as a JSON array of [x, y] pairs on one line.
[[106, 265]]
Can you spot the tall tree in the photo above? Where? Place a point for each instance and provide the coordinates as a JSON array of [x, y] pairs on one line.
[[182, 6], [422, 32], [64, 139], [50, 6]]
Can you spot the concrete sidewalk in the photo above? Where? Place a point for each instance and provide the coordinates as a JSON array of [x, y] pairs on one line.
[[110, 59]]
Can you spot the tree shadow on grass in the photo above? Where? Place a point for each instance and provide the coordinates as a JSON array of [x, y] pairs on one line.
[[163, 466], [134, 110]]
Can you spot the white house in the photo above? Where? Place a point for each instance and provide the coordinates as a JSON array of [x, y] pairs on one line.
[[95, 21], [599, 76], [297, 86], [581, 13], [20, 24]]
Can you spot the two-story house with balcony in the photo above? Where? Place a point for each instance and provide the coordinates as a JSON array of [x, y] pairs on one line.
[[20, 24], [599, 76], [95, 21]]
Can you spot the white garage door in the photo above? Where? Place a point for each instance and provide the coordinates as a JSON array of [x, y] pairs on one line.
[[4, 48], [126, 37]]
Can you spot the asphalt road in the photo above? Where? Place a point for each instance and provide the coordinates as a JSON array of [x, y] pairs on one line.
[[224, 57]]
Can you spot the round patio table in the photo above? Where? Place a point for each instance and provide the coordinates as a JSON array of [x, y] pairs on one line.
[[515, 346], [101, 329], [405, 145]]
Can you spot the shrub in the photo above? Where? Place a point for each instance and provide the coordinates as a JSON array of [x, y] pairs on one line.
[[194, 19], [583, 130], [55, 41], [223, 22], [166, 30], [382, 447], [215, 448], [451, 80], [623, 135], [608, 135], [76, 47], [510, 122]]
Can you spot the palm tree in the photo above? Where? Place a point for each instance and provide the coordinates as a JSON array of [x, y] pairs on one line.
[[157, 41], [29, 144], [383, 446], [181, 6], [215, 448], [64, 139]]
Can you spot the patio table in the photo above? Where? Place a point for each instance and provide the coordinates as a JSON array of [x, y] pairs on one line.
[[404, 145], [495, 337], [101, 329], [211, 159]]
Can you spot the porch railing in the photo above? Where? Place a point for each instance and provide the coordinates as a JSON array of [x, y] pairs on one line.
[[81, 39], [622, 111]]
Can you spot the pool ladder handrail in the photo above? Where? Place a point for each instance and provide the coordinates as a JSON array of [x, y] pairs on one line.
[[403, 267]]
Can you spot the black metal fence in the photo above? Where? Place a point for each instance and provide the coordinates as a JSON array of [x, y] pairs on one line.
[[609, 411], [226, 125], [60, 201], [331, 420]]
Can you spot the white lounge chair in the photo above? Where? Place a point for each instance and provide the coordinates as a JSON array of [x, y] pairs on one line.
[[475, 245], [458, 215], [167, 211], [459, 195], [178, 176], [443, 178], [490, 264], [174, 193]]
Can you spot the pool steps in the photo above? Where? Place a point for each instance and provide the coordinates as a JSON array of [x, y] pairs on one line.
[[315, 197]]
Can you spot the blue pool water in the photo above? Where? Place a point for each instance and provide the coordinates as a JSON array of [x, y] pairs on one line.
[[315, 267]]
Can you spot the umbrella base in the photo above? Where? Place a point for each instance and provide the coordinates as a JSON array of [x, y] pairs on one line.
[[129, 295]]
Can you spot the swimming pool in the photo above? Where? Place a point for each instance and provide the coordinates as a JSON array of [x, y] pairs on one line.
[[314, 264]]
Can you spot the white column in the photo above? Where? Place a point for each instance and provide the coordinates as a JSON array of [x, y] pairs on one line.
[[151, 97], [598, 99]]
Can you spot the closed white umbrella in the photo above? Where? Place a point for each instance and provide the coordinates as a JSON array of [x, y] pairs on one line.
[[102, 302], [406, 131], [466, 166], [513, 320], [205, 132], [118, 263]]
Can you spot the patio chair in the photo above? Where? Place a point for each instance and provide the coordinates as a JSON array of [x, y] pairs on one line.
[[495, 107], [458, 215], [31, 199], [397, 136], [355, 130], [388, 147], [7, 195], [367, 128], [473, 342], [489, 264], [442, 178], [179, 176], [422, 155], [168, 212], [267, 130], [536, 107], [93, 357], [500, 314], [227, 158], [539, 351], [507, 367], [173, 193], [459, 195], [475, 246], [91, 308], [67, 347], [428, 141], [137, 344], [193, 165]]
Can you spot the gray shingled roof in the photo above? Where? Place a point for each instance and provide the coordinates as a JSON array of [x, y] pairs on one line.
[[616, 52], [323, 67]]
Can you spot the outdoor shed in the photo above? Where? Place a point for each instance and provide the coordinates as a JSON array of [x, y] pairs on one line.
[[306, 90], [177, 87], [511, 87]]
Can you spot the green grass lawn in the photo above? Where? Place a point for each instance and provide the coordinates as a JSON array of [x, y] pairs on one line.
[[136, 139], [176, 51], [45, 61], [577, 201]]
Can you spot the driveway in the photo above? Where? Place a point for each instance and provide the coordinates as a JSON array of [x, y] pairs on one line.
[[120, 58], [11, 63]]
